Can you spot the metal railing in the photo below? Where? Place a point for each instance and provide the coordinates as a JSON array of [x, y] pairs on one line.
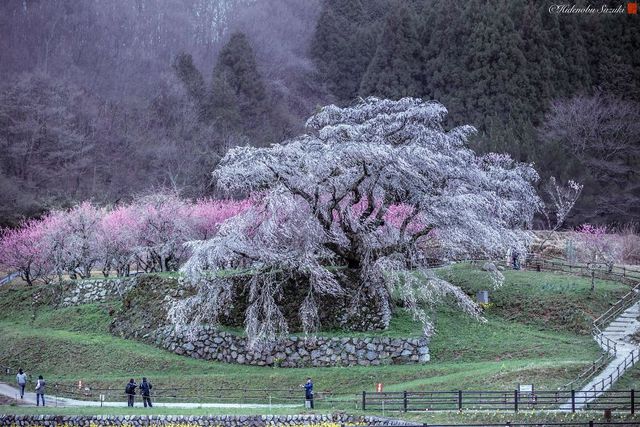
[[599, 393], [591, 423], [618, 308], [624, 275], [8, 278], [495, 400], [600, 271], [584, 376], [289, 396]]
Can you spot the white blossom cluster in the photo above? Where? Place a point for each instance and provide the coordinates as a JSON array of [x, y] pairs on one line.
[[367, 197]]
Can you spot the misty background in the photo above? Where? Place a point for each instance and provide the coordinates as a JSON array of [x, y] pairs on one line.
[[105, 100]]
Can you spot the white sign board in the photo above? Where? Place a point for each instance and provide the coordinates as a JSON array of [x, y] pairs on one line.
[[525, 388]]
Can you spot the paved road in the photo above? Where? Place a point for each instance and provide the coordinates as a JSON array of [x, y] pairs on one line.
[[30, 399]]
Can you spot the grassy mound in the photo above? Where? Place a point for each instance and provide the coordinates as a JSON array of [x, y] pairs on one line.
[[560, 302]]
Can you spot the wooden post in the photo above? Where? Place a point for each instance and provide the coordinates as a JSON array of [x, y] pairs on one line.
[[364, 400]]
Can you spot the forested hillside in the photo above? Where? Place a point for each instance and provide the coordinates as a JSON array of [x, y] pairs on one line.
[[106, 99]]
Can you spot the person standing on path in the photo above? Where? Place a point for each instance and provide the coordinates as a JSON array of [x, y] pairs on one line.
[[308, 392], [21, 379], [145, 390], [130, 391], [40, 385]]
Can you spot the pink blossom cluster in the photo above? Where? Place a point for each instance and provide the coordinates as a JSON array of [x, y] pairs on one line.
[[146, 235], [596, 245]]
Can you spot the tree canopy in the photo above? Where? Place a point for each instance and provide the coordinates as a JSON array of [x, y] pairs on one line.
[[368, 196]]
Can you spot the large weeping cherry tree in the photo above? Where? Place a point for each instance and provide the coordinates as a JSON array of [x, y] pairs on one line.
[[358, 206]]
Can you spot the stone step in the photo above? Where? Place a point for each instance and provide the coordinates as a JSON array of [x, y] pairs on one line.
[[622, 323]]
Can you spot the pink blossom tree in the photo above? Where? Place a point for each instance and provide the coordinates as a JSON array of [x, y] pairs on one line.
[[117, 237], [72, 235], [207, 215], [25, 250], [597, 246], [163, 228]]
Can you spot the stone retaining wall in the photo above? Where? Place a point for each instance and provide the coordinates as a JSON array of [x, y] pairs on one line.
[[211, 344], [96, 290], [292, 352], [332, 420]]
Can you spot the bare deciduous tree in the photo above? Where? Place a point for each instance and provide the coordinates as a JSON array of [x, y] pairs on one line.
[[603, 133]]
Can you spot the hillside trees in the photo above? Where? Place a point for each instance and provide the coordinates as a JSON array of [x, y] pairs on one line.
[[498, 66], [236, 104], [396, 68], [344, 42], [280, 32], [45, 129], [127, 122], [345, 208], [601, 133], [106, 67]]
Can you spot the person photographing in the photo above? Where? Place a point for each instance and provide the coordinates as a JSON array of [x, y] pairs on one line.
[[308, 393]]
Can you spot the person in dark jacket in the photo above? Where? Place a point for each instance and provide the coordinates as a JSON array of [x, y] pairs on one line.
[[308, 392], [40, 390], [145, 390], [130, 391]]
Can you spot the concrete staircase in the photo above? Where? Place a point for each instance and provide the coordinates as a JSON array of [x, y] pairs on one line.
[[623, 326], [625, 355]]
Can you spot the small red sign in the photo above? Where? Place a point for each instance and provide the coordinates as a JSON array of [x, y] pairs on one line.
[[379, 387], [632, 8]]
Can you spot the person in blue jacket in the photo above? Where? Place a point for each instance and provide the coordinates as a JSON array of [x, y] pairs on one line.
[[308, 392], [145, 389]]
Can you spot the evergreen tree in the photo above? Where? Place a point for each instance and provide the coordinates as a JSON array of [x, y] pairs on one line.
[[344, 43], [190, 76], [445, 33], [193, 81], [395, 71], [238, 89], [618, 51]]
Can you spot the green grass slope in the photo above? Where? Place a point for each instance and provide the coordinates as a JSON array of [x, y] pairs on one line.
[[535, 333]]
